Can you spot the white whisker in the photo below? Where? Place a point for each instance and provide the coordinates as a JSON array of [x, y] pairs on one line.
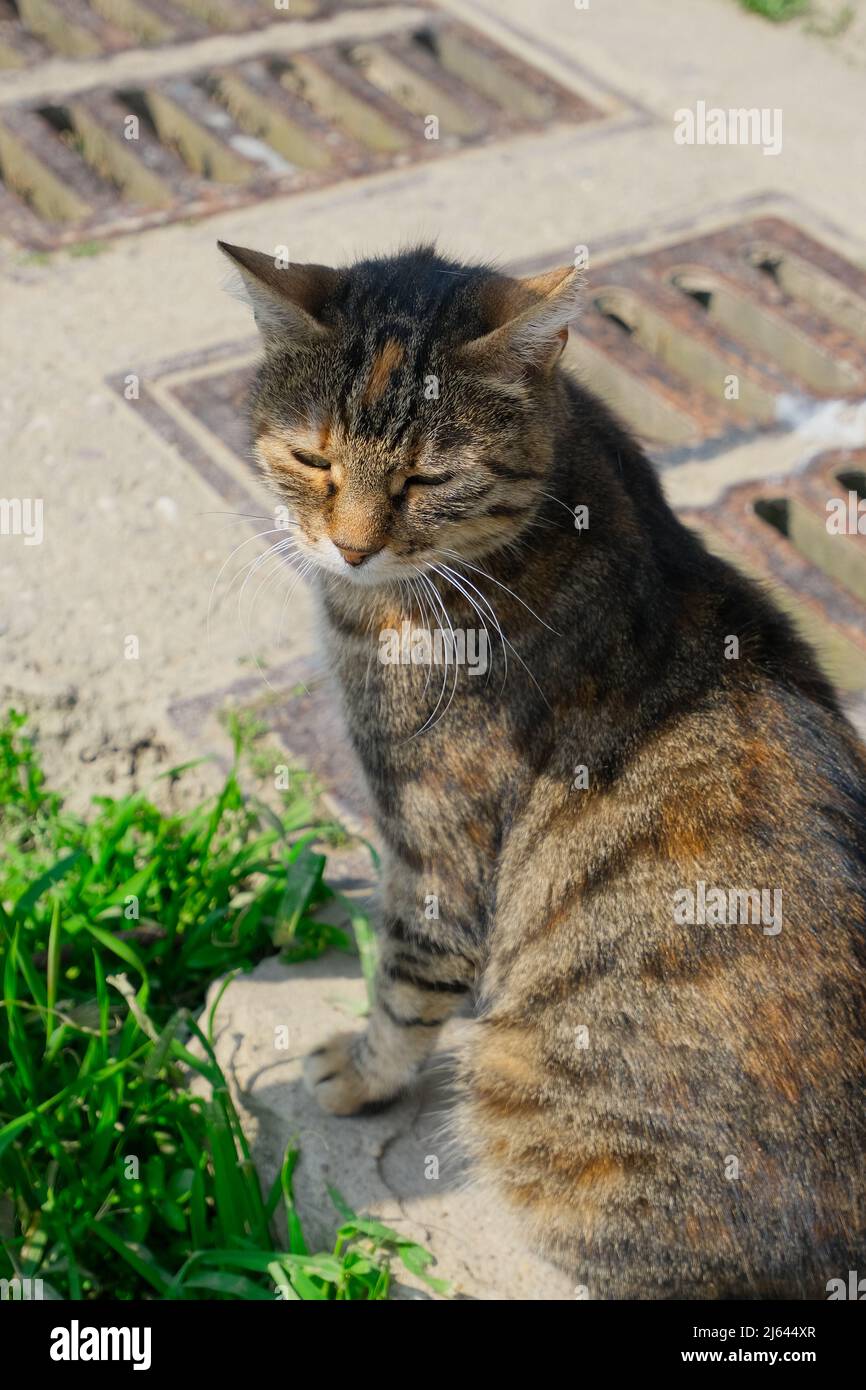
[[457, 556], [509, 644], [249, 540], [450, 577], [431, 719]]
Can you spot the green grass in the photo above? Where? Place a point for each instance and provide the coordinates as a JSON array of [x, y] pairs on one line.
[[117, 1181], [776, 10], [81, 249]]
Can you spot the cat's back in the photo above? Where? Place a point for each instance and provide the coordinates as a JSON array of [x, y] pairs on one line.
[[671, 1063]]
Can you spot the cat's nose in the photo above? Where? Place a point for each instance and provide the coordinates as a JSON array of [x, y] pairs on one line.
[[356, 557]]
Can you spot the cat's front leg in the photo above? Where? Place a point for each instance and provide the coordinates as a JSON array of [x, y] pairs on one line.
[[420, 982]]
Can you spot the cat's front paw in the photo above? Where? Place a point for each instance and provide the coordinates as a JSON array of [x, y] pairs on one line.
[[334, 1076]]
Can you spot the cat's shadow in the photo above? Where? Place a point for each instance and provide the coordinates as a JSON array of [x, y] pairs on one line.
[[408, 1142], [390, 1163], [398, 1163]]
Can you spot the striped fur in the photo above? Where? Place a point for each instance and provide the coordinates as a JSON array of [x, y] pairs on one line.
[[676, 1111]]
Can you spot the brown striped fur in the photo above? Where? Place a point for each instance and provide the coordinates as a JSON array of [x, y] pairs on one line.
[[676, 1111]]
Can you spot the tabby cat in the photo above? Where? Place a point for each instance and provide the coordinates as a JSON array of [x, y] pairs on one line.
[[638, 839]]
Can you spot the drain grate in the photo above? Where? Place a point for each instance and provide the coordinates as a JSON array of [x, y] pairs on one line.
[[32, 31], [110, 160], [707, 343], [803, 536]]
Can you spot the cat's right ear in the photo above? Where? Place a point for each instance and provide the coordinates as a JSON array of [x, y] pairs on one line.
[[527, 321], [286, 299]]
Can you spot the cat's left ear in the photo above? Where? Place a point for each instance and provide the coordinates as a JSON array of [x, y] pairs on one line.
[[286, 300], [528, 320]]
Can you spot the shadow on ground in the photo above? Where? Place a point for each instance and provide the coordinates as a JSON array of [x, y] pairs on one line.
[[402, 1165]]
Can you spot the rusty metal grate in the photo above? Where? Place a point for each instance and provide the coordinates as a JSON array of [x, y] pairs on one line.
[[33, 31], [787, 533], [215, 138], [709, 342]]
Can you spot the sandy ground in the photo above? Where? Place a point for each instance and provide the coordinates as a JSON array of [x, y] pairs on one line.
[[135, 538]]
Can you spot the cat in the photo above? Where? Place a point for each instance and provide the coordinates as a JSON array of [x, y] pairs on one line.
[[663, 1080]]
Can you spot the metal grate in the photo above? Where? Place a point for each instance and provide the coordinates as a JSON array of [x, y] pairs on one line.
[[709, 342], [802, 535], [219, 137], [33, 31]]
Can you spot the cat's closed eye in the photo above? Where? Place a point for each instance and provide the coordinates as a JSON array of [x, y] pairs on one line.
[[423, 480], [311, 460]]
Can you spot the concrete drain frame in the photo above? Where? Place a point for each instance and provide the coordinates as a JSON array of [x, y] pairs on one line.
[[188, 134], [789, 323]]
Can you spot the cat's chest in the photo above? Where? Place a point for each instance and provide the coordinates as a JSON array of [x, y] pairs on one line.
[[409, 710], [430, 733]]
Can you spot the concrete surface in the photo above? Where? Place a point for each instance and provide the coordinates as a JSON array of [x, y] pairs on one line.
[[379, 1163], [134, 538]]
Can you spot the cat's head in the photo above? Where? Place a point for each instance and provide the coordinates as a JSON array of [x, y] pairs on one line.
[[403, 409]]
